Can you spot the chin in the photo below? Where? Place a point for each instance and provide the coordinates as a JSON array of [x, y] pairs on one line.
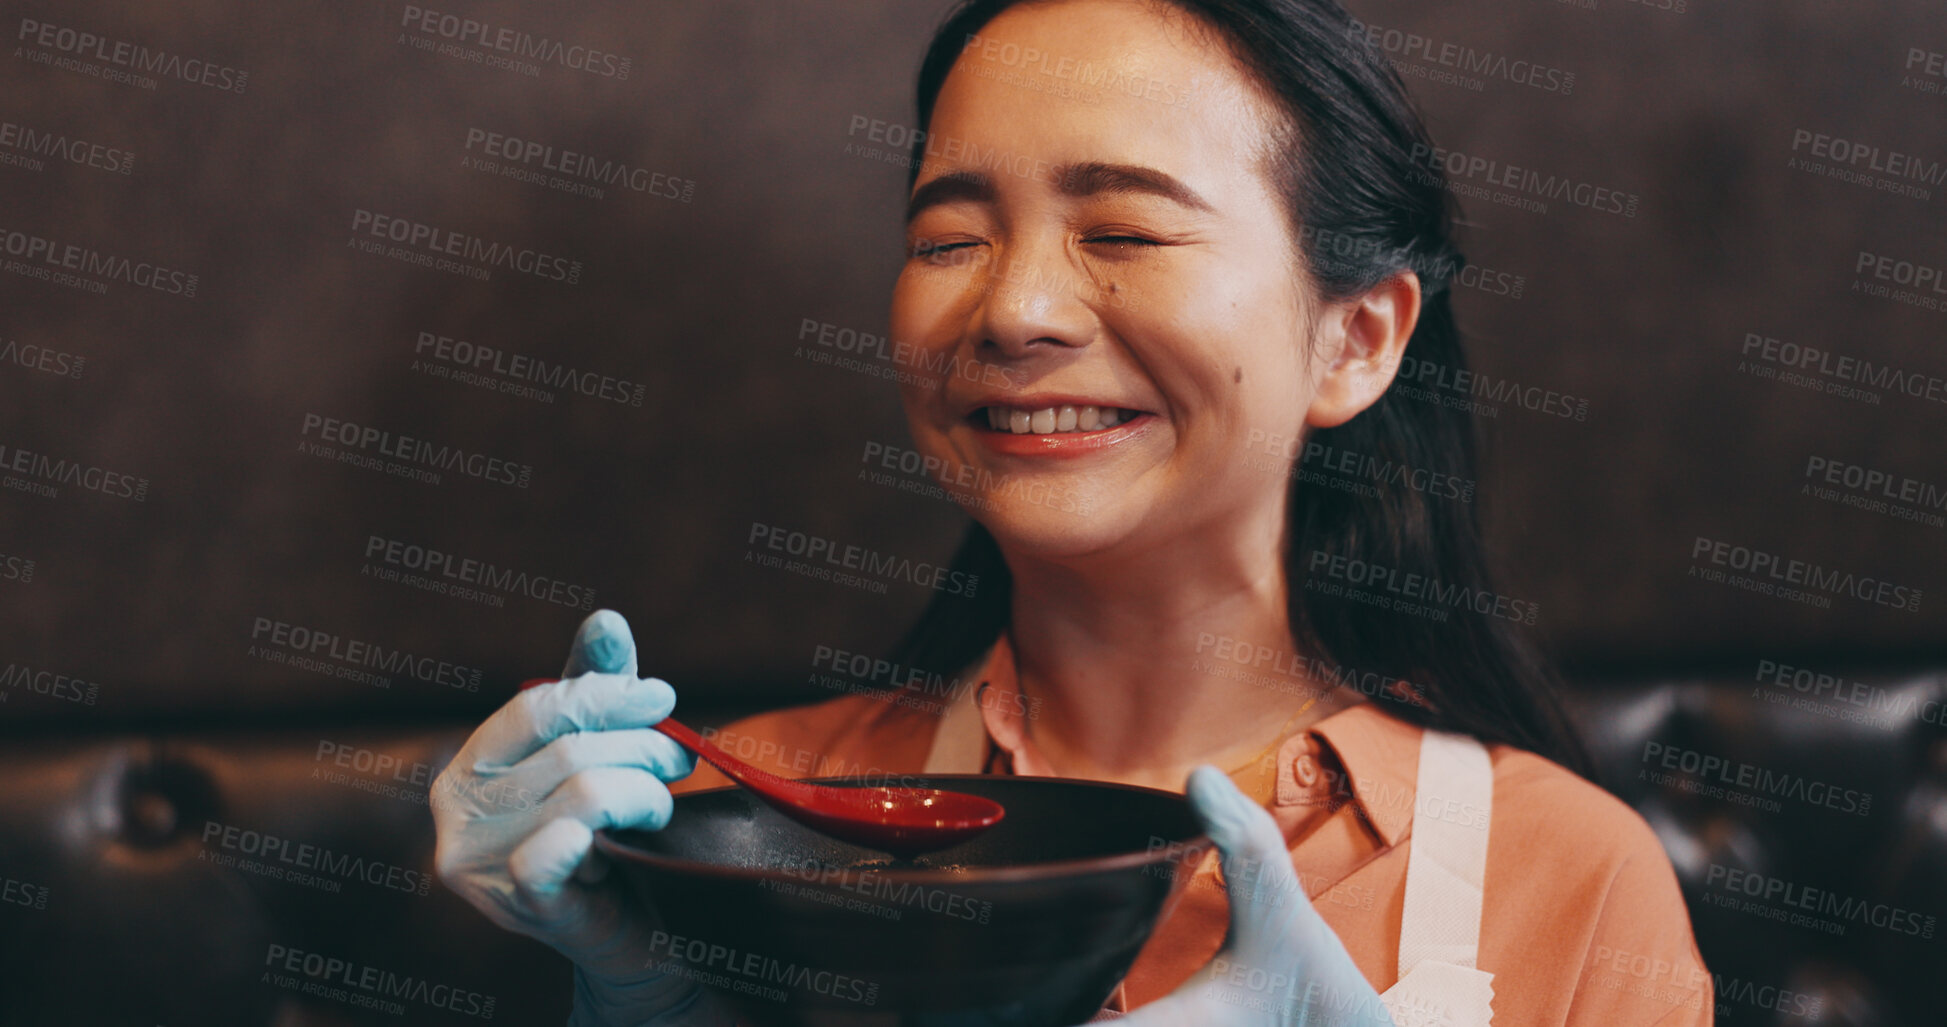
[[1052, 524]]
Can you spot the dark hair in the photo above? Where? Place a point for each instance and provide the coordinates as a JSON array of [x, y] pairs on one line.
[[1365, 205]]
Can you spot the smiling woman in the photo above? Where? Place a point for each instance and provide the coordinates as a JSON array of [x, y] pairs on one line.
[[1167, 246]]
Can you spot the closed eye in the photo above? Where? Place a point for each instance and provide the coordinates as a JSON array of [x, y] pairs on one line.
[[1123, 240], [926, 249]]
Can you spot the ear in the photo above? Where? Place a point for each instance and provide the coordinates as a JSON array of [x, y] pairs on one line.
[[1361, 342]]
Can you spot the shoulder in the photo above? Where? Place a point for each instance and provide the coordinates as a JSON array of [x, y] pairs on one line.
[[853, 735], [1576, 868], [1574, 837], [1544, 809]]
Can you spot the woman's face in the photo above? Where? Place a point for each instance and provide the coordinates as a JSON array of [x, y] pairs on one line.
[[1093, 229]]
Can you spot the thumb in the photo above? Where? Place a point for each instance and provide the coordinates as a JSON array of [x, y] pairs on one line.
[[603, 645], [1265, 896]]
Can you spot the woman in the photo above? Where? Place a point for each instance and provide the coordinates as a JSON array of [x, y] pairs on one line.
[[1166, 249]]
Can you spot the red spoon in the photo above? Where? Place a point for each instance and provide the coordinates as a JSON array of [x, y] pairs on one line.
[[902, 821]]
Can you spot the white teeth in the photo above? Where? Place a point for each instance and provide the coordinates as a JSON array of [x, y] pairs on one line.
[[1055, 420]]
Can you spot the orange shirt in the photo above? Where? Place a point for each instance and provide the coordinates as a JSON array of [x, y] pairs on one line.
[[1582, 921]]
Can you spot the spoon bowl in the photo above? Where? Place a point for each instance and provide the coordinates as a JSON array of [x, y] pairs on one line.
[[903, 822]]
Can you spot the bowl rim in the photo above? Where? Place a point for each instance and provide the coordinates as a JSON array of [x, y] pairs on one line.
[[1198, 844]]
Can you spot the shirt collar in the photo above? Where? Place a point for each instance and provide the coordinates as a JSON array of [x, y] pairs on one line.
[[1380, 752]]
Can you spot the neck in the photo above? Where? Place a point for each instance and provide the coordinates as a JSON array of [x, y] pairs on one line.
[[1133, 662]]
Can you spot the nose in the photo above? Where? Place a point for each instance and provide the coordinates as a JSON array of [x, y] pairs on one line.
[[1034, 303]]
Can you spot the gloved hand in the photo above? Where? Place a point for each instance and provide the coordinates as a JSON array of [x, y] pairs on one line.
[[517, 808], [1281, 965]]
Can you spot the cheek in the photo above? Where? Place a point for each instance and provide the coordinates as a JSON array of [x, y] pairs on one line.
[[929, 310]]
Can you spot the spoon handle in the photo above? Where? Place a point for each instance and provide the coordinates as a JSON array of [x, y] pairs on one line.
[[760, 781]]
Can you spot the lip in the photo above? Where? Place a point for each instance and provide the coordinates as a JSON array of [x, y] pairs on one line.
[[1065, 444]]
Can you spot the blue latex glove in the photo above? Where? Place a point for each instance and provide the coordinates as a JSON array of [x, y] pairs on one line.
[[516, 812], [1281, 965]]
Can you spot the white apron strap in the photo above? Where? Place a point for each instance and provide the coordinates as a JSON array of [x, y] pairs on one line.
[[1446, 863]]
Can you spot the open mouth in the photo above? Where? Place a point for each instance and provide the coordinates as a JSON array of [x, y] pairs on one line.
[[1054, 420]]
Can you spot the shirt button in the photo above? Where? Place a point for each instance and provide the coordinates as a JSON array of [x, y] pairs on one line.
[[1306, 769]]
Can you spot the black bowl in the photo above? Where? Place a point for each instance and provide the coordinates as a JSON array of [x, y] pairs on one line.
[[1033, 922]]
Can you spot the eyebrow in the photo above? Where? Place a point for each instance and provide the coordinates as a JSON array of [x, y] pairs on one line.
[[1088, 178]]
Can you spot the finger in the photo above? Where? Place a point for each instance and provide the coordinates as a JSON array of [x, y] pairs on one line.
[[539, 715], [618, 797], [1258, 877], [593, 868], [587, 802], [541, 866], [577, 751], [603, 645]]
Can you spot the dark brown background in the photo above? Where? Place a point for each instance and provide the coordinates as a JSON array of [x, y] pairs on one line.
[[702, 302], [102, 805]]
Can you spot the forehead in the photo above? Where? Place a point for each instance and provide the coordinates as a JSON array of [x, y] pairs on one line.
[[1124, 81]]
